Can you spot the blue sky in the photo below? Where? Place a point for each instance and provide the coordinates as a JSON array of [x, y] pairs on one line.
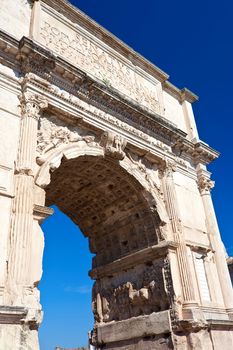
[[192, 42]]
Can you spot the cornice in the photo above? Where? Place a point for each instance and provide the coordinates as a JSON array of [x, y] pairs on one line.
[[129, 261], [180, 94], [12, 314], [42, 212], [199, 151], [8, 50], [32, 57]]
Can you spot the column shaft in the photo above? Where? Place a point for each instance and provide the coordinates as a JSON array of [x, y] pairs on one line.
[[220, 257], [22, 216], [172, 207]]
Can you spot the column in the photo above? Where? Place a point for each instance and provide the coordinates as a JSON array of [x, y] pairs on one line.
[[22, 210], [205, 185], [189, 302]]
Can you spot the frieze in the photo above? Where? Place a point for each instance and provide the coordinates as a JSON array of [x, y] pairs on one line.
[[100, 113], [101, 104], [83, 52]]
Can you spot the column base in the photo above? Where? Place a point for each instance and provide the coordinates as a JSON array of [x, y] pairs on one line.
[[19, 328], [192, 311]]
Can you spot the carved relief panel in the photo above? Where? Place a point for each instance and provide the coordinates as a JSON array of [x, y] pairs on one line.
[[135, 292], [53, 132]]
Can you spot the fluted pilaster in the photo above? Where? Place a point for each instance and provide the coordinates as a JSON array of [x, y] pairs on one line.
[[173, 212], [22, 217], [205, 184]]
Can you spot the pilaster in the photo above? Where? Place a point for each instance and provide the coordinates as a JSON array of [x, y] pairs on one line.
[[23, 202], [190, 306], [35, 20], [205, 184]]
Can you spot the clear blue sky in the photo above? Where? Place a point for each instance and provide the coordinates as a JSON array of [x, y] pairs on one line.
[[192, 42]]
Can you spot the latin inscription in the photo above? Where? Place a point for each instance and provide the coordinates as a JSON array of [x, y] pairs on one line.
[[88, 56]]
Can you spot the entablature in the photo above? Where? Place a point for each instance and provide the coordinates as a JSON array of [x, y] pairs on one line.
[[76, 93], [129, 261]]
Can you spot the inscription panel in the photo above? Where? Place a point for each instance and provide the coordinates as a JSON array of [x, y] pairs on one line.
[[91, 55]]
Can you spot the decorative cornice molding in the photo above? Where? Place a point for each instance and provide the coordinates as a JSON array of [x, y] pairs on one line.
[[41, 212], [12, 314], [187, 95], [9, 51], [180, 94], [75, 82], [199, 151], [34, 58], [129, 261]]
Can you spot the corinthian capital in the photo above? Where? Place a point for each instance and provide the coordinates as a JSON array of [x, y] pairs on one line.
[[32, 104], [204, 184]]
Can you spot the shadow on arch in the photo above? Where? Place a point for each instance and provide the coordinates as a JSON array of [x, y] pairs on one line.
[[109, 200]]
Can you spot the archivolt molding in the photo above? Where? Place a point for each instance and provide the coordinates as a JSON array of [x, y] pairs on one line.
[[53, 158]]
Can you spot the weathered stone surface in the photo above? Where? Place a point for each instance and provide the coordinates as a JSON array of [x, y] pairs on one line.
[[161, 342], [99, 131], [154, 324], [222, 339]]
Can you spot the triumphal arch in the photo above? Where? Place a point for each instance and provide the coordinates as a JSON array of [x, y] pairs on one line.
[[91, 126]]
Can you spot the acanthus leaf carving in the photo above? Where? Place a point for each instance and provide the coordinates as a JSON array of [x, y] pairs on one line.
[[205, 184], [32, 104]]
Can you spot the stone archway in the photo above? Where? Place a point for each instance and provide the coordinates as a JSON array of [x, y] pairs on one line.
[[110, 200], [98, 104], [114, 204]]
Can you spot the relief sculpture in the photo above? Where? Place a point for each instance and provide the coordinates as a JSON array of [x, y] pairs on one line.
[[134, 298], [114, 145], [53, 133], [149, 170]]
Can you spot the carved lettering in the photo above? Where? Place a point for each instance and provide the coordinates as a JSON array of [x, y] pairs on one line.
[[81, 51]]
